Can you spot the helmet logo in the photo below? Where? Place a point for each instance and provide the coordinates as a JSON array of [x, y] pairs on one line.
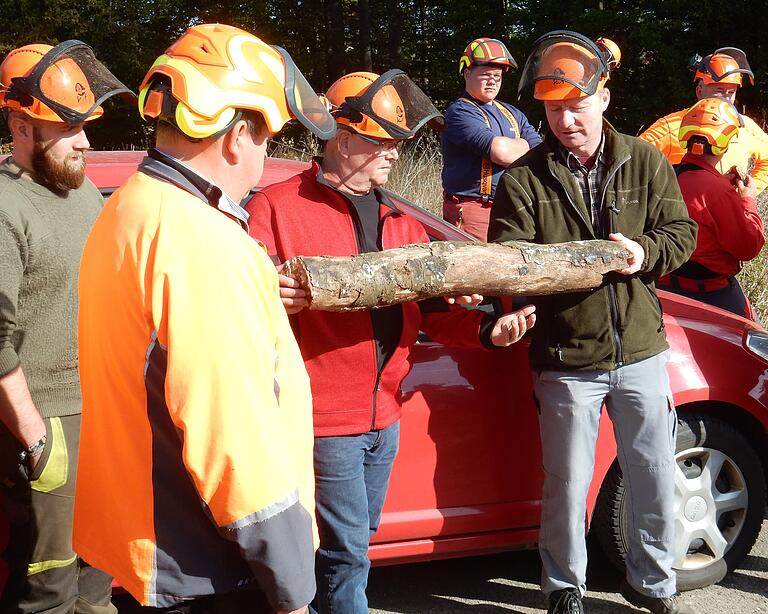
[[399, 114], [80, 91], [558, 72]]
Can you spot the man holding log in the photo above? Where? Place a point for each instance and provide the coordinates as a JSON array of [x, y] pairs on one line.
[[357, 360], [607, 346]]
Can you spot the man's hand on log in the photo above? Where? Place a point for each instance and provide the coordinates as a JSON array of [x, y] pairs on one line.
[[293, 297], [511, 327], [636, 253], [465, 299]]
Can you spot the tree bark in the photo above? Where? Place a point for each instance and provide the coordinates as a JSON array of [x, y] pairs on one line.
[[335, 29], [364, 11], [452, 268], [395, 33]]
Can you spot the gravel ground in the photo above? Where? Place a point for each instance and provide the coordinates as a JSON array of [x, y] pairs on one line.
[[510, 583]]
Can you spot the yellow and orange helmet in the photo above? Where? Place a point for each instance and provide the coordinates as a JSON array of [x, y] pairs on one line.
[[484, 51], [214, 71], [390, 106], [725, 65], [64, 84], [564, 65], [714, 121]]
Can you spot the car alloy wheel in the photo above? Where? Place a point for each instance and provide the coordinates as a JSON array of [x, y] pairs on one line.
[[720, 498]]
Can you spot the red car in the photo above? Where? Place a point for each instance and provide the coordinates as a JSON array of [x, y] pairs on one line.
[[468, 476]]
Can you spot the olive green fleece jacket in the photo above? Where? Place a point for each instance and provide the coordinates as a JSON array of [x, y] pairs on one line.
[[539, 200], [42, 235]]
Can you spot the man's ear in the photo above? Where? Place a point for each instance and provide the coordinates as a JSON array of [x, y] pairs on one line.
[[234, 140], [19, 126], [605, 98], [342, 142]]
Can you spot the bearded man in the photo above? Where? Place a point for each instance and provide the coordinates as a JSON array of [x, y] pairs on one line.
[[47, 208]]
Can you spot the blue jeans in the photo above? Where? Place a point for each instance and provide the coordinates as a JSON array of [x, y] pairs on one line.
[[351, 478]]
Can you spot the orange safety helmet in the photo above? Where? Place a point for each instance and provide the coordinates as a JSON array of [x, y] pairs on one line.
[[725, 65], [356, 84], [483, 51], [564, 65], [214, 71], [612, 50], [66, 79], [715, 121], [390, 106]]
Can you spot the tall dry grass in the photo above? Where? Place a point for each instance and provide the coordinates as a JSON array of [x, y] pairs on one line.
[[754, 275], [415, 175]]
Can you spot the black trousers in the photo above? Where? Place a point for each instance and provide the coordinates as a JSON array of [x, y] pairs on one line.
[[731, 298], [42, 573]]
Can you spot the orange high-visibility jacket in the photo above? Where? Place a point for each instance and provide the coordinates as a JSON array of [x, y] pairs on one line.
[[751, 142], [195, 473]]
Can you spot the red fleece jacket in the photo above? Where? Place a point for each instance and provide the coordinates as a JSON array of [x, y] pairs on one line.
[[305, 216], [730, 228]]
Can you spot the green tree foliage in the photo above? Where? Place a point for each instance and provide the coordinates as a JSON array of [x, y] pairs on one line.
[[425, 38]]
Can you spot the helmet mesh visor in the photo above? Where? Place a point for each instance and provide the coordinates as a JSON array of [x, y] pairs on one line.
[[397, 104], [563, 59]]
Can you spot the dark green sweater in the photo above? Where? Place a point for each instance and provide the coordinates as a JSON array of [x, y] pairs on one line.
[[538, 200], [42, 236]]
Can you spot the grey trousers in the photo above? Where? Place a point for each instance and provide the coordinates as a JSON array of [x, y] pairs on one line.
[[639, 403]]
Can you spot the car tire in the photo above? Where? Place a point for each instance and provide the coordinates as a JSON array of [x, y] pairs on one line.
[[704, 443]]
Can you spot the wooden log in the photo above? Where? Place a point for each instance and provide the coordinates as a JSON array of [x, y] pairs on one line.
[[452, 268]]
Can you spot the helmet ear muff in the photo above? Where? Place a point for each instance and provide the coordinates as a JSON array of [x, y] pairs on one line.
[[353, 115], [156, 101], [699, 146], [696, 62], [15, 93]]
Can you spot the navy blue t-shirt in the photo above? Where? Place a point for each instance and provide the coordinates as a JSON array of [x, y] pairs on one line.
[[466, 140]]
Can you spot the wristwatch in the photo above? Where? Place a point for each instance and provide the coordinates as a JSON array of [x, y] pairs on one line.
[[33, 450]]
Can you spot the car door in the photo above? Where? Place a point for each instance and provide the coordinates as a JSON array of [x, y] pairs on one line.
[[469, 462]]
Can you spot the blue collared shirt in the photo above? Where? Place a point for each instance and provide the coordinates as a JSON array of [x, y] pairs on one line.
[[466, 140]]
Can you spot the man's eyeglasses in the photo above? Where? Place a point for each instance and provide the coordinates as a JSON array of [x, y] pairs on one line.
[[388, 145]]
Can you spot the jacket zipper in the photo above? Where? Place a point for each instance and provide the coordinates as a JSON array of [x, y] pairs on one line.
[[376, 389], [355, 222], [614, 303], [558, 348], [379, 367]]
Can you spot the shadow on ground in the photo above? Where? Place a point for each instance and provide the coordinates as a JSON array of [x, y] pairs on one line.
[[494, 583]]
